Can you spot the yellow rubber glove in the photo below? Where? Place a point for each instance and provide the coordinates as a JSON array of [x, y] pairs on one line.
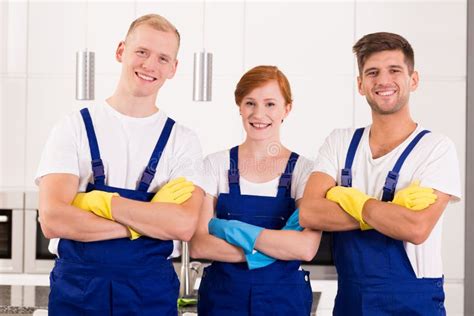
[[414, 197], [350, 200], [176, 191], [98, 202]]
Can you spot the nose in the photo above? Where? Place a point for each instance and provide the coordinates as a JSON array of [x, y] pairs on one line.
[[259, 110], [384, 78], [149, 63]]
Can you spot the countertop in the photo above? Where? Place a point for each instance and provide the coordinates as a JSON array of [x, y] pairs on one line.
[[24, 300]]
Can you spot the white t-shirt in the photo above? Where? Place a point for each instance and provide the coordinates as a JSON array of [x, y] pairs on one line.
[[216, 179], [433, 161], [125, 145]]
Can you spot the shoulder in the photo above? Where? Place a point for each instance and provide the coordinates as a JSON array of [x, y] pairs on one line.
[[436, 141], [218, 159]]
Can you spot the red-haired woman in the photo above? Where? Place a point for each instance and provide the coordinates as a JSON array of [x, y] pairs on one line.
[[248, 225]]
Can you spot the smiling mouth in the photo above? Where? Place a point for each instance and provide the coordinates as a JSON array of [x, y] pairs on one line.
[[386, 93], [260, 125], [145, 77]]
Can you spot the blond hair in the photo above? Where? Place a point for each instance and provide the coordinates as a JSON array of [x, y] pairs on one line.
[[157, 22]]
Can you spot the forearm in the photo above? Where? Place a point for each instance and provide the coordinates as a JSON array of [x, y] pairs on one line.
[[66, 221], [164, 221], [401, 223], [289, 244], [206, 246], [324, 215]]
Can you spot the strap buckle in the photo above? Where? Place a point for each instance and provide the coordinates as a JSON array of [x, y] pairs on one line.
[[346, 177], [98, 168], [390, 186], [147, 175]]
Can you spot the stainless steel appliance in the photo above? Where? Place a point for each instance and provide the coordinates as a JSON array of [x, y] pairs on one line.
[[37, 258], [11, 232]]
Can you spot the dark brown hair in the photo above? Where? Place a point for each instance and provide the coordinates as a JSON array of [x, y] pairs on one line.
[[257, 77], [382, 41]]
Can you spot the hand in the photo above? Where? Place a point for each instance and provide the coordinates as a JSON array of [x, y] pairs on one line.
[[414, 197], [257, 260], [133, 233], [176, 191], [98, 202], [235, 232], [293, 223], [350, 200]]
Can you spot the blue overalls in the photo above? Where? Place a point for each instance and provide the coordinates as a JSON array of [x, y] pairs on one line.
[[118, 276], [232, 289], [375, 276]]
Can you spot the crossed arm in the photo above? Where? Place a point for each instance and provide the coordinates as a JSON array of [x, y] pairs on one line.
[[158, 220], [283, 245], [390, 219]]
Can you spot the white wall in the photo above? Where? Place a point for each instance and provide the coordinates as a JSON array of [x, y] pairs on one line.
[[310, 41]]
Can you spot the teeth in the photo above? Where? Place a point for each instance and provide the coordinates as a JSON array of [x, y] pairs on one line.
[[144, 77], [386, 93], [259, 125]]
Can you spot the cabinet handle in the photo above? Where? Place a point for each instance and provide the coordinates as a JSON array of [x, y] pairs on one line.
[[3, 218]]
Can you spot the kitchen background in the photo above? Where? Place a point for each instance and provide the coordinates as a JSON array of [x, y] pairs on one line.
[[309, 40]]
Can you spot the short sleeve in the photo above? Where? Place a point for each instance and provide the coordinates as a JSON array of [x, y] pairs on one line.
[[211, 177], [188, 158], [60, 151], [442, 170], [301, 174], [326, 161]]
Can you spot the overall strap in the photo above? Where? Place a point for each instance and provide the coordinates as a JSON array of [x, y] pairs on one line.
[[233, 173], [97, 165], [346, 173], [392, 177], [150, 170], [284, 186]]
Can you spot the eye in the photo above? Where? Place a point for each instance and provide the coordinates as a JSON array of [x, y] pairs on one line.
[[164, 60], [141, 53], [269, 104], [249, 103], [394, 70], [371, 74]]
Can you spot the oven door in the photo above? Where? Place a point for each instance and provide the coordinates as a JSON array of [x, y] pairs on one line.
[[38, 259], [11, 232], [322, 266]]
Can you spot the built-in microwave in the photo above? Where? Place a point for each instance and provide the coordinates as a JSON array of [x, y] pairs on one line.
[[37, 259], [11, 232]]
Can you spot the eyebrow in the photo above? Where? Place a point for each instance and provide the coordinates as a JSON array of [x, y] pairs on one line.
[[390, 67], [161, 54]]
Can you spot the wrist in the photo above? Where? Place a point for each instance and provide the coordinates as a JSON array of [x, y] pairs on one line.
[[367, 209]]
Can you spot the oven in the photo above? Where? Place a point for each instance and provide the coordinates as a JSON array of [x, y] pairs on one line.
[[322, 266], [11, 232], [37, 258]]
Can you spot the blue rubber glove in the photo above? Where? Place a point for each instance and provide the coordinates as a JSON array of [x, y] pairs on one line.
[[259, 260], [235, 232]]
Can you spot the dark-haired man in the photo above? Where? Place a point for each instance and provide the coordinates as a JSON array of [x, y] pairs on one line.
[[366, 189]]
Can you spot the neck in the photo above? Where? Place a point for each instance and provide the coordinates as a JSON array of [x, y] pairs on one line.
[[262, 149], [391, 128], [131, 105]]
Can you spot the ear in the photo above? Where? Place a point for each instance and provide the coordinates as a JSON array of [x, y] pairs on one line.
[[359, 85], [288, 108], [119, 51], [173, 70], [414, 80]]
